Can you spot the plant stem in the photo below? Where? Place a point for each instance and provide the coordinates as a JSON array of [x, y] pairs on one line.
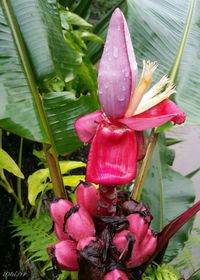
[[50, 149], [139, 182], [56, 176], [179, 54], [19, 187]]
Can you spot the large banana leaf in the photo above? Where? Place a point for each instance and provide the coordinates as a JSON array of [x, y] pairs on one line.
[[62, 109], [21, 110], [158, 34], [168, 194], [40, 26], [18, 110]]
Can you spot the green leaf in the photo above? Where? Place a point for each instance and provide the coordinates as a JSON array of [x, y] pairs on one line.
[[86, 35], [62, 109], [87, 77], [66, 166], [7, 163], [168, 194], [194, 172], [172, 141], [158, 34], [18, 111], [38, 181], [73, 180], [35, 233], [40, 25], [74, 19]]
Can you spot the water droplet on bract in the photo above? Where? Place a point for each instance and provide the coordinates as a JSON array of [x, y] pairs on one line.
[[123, 70], [106, 86], [123, 88], [115, 52], [120, 98], [118, 28], [127, 74], [100, 92]]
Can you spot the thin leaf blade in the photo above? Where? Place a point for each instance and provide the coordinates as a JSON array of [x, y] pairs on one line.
[[7, 163]]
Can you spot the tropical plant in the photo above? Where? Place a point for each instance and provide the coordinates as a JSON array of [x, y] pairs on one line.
[[48, 80]]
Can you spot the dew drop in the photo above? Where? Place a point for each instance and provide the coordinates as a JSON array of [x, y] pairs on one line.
[[118, 28], [115, 52], [106, 86], [100, 92], [123, 88], [120, 98], [127, 74]]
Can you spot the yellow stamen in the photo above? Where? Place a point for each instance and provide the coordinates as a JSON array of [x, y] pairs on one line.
[[145, 80], [156, 99], [155, 89]]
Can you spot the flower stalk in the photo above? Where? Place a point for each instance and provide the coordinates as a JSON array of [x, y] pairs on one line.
[[140, 179]]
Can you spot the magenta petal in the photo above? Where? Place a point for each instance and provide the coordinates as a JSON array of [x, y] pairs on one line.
[[115, 275], [58, 209], [79, 224], [118, 68], [88, 196], [113, 156], [86, 126], [58, 230], [156, 116], [65, 254]]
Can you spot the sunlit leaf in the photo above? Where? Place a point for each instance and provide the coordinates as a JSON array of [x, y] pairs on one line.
[[73, 180], [7, 163], [39, 180], [74, 19], [66, 166]]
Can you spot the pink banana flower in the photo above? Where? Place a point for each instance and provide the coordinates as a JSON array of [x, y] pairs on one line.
[[126, 109]]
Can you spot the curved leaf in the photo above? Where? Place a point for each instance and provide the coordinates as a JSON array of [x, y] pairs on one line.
[[73, 180], [40, 25], [157, 29], [18, 111], [168, 194], [7, 163], [66, 166], [62, 109], [38, 181]]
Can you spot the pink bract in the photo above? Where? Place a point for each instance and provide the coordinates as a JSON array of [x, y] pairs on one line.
[[113, 131], [79, 224], [88, 196], [65, 254], [113, 156], [115, 274], [58, 209], [118, 68]]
